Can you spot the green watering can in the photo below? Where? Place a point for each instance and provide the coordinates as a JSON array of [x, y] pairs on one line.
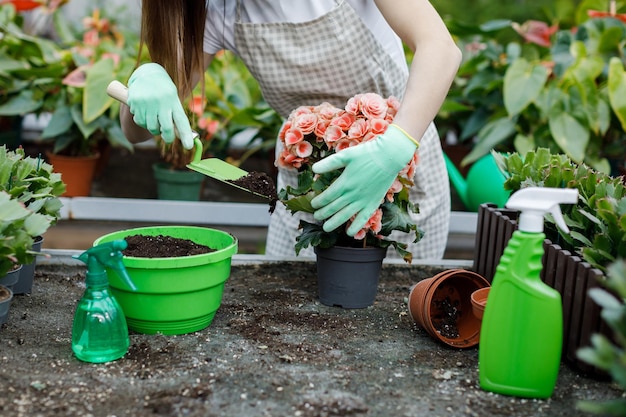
[[484, 183]]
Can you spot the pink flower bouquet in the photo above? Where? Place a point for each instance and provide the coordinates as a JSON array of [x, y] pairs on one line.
[[315, 132]]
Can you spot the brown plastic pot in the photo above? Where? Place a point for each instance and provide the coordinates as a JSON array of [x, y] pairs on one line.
[[479, 301], [442, 306]]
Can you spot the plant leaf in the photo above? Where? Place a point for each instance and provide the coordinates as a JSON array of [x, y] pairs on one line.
[[617, 89], [570, 135], [523, 83]]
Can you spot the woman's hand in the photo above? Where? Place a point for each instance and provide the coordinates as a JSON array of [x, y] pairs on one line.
[[153, 101], [369, 171]]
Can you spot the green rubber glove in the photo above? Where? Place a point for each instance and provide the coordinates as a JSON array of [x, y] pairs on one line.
[[155, 106], [370, 169]]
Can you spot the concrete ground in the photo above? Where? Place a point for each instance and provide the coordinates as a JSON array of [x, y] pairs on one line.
[[271, 350]]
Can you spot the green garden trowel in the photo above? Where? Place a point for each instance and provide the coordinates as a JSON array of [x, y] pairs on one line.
[[211, 167]]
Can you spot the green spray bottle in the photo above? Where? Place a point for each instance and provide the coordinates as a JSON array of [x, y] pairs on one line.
[[521, 334], [99, 331]]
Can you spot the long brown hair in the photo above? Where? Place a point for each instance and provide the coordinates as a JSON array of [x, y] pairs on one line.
[[173, 31]]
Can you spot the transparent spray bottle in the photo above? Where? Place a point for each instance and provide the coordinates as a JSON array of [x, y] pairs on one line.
[[522, 330], [99, 331]]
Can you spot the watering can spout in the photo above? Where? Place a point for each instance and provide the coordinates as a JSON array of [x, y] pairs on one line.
[[484, 183]]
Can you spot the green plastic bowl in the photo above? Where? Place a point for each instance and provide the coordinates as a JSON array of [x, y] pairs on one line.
[[174, 295]]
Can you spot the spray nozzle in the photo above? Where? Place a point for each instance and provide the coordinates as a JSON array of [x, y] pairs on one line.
[[535, 202], [109, 255]]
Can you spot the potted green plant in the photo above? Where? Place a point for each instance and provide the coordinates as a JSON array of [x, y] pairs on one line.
[[604, 353], [18, 227], [30, 70], [32, 182], [558, 88], [312, 133], [84, 118]]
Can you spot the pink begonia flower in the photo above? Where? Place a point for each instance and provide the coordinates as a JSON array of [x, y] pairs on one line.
[[369, 136], [288, 160], [393, 105], [345, 143], [359, 129], [306, 123], [535, 31], [374, 224], [293, 136], [320, 129], [396, 187], [344, 120], [378, 126], [373, 106], [304, 149], [284, 129], [408, 172], [300, 111], [326, 111], [332, 135], [353, 106]]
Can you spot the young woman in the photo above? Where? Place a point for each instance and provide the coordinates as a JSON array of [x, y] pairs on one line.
[[305, 52]]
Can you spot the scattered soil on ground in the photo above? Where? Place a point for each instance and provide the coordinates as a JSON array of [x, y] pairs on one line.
[[271, 350], [160, 246], [259, 183]]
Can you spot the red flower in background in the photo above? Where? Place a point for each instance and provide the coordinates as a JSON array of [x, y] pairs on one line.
[[22, 5], [536, 32], [599, 14]]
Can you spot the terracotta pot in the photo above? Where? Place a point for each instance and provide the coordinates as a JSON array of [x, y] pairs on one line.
[[479, 301], [442, 306], [77, 172]]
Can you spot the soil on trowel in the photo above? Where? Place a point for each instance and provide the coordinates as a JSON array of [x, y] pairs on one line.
[[160, 246], [259, 183]]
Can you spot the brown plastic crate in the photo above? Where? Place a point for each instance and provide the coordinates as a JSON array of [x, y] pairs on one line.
[[566, 273]]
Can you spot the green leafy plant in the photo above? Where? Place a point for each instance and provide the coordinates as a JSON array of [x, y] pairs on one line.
[[597, 222], [604, 354], [84, 115], [32, 182], [18, 227], [559, 89], [31, 67]]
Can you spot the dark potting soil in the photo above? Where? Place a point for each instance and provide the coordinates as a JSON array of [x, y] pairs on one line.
[[446, 325], [143, 246], [260, 183]]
